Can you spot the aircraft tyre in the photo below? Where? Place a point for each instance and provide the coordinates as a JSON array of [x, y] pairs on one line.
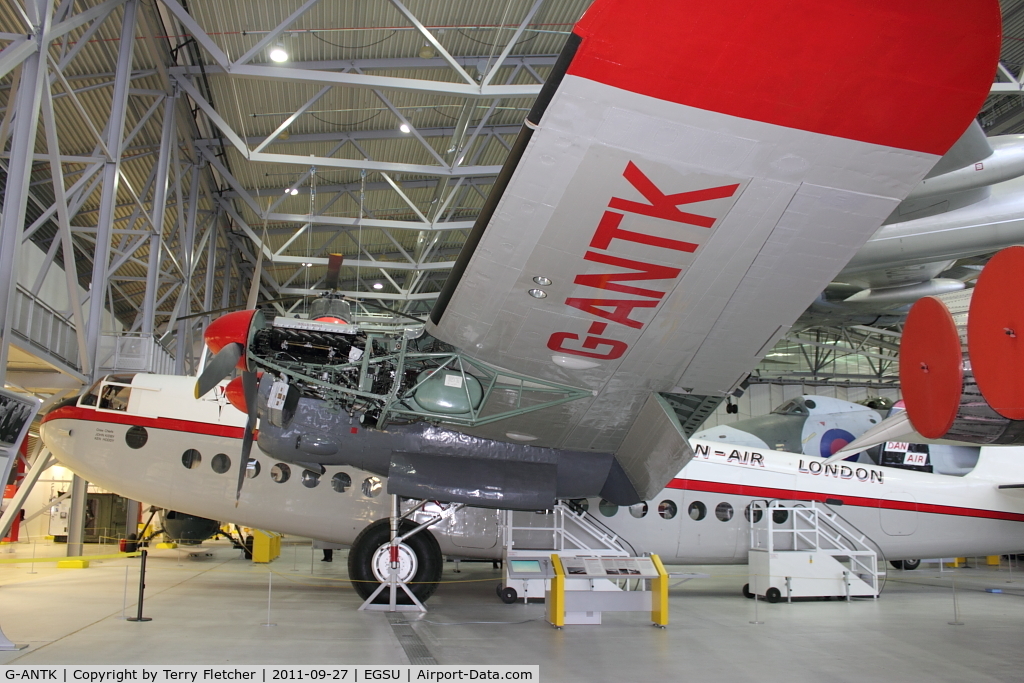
[[746, 591], [508, 595], [420, 555], [773, 595], [910, 565]]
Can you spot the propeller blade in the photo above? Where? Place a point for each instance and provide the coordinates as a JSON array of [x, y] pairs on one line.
[[249, 387], [219, 367], [257, 273], [333, 271]]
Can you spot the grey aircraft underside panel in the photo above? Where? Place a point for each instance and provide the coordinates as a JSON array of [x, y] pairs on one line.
[[430, 461], [654, 449], [803, 204], [503, 484]]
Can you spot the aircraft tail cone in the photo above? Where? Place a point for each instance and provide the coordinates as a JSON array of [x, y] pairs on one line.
[[995, 333]]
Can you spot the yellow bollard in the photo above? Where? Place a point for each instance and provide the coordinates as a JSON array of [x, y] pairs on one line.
[[993, 560], [73, 564], [266, 545], [555, 597], [659, 594]]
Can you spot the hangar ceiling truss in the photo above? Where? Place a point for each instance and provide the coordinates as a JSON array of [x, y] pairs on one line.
[[153, 149]]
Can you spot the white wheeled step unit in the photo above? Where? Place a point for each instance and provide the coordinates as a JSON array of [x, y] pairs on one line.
[[804, 549], [565, 530]]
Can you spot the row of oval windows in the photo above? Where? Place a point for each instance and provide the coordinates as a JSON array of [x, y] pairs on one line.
[[280, 472], [697, 511], [372, 487]]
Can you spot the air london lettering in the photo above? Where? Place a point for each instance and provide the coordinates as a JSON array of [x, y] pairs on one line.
[[752, 458], [838, 471], [619, 311]]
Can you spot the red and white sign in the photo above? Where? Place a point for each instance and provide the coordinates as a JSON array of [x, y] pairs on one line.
[[916, 459]]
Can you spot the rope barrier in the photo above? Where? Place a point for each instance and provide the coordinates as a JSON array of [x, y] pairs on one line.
[[43, 560]]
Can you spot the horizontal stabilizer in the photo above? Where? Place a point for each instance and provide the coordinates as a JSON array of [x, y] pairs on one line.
[[655, 448]]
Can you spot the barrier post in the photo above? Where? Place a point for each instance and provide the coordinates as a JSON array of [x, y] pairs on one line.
[[556, 599], [142, 589], [659, 594]]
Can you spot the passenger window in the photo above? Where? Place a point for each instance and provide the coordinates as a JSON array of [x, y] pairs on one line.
[[191, 459], [221, 463], [639, 510], [341, 482], [372, 487], [697, 510], [280, 473], [667, 509], [252, 468], [136, 437], [607, 508], [723, 512], [758, 513], [780, 516], [310, 479]]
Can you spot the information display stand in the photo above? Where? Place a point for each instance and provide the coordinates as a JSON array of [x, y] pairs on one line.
[[584, 587]]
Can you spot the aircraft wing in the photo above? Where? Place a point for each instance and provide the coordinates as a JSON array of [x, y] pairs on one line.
[[691, 177]]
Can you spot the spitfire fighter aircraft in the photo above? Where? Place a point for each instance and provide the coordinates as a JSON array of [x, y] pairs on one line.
[[654, 231]]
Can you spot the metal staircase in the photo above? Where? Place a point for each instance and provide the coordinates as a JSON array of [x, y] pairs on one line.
[[565, 528], [803, 549]]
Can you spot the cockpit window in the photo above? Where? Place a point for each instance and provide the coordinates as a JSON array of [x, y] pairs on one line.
[[110, 392], [794, 407], [91, 397], [114, 396]]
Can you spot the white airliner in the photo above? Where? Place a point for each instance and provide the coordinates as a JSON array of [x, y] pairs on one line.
[[146, 437]]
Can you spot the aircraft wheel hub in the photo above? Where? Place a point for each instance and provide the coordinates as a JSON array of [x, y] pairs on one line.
[[407, 563]]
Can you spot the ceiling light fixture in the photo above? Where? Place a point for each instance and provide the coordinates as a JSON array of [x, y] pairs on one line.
[[377, 285], [405, 128], [293, 191], [278, 53], [427, 51], [542, 281], [537, 293]]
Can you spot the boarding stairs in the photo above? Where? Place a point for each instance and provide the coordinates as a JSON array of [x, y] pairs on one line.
[[568, 531], [806, 549], [566, 528]]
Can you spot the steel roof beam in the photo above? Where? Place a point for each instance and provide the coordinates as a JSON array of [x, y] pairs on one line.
[[394, 63], [376, 134]]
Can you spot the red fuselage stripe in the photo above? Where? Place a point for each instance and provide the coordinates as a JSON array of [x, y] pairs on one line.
[[792, 494], [188, 426]]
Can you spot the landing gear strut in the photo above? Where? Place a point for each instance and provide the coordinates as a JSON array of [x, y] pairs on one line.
[[393, 565]]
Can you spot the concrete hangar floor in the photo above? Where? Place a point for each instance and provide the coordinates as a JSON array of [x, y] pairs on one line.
[[213, 609]]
